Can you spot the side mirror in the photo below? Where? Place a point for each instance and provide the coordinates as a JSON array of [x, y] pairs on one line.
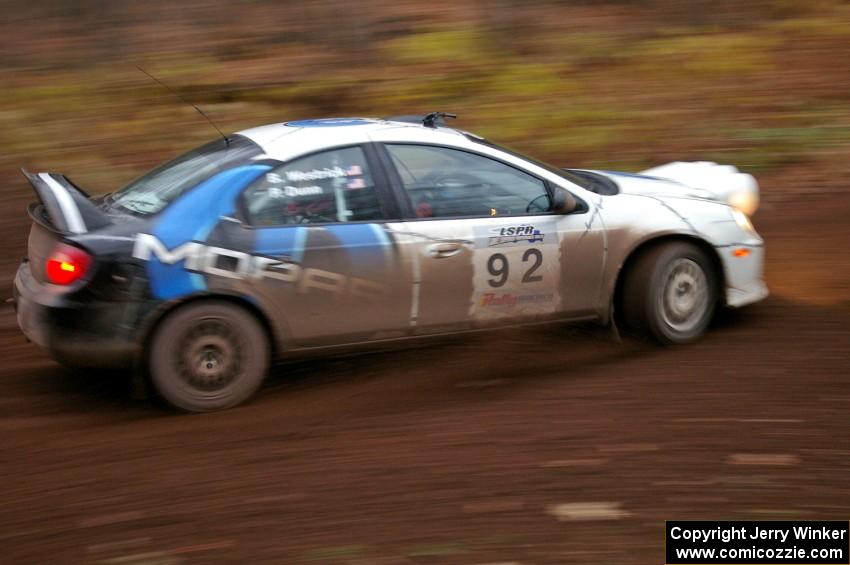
[[563, 202]]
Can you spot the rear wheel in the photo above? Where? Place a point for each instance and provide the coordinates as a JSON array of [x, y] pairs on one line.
[[208, 356], [671, 293]]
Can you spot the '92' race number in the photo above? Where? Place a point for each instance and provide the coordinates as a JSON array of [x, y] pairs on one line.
[[499, 267], [516, 270]]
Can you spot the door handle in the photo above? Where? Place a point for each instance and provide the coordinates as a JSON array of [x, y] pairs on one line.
[[444, 249]]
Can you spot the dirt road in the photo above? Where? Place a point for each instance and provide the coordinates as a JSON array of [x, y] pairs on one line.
[[549, 445]]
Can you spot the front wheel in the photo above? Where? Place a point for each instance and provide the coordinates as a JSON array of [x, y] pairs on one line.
[[208, 356], [671, 293]]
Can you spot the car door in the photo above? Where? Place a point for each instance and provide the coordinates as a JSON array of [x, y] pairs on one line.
[[487, 251], [334, 270]]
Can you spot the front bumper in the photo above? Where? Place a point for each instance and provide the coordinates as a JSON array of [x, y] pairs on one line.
[[82, 333], [743, 266]]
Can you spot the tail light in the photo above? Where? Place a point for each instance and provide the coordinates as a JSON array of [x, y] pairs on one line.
[[67, 264]]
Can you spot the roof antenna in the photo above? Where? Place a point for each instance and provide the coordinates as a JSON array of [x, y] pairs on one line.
[[434, 119], [169, 89]]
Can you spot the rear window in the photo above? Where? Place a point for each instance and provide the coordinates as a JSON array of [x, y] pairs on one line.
[[153, 191]]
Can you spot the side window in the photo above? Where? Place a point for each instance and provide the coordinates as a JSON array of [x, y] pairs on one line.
[[331, 186], [444, 183]]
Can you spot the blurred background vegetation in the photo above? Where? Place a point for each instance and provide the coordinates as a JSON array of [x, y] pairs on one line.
[[762, 84]]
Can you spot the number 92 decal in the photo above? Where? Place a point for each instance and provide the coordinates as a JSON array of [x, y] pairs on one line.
[[516, 270], [499, 267]]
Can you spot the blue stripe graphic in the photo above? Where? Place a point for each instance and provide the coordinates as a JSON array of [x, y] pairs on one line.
[[365, 244], [191, 218], [278, 242]]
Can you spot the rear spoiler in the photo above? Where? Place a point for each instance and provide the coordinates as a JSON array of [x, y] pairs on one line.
[[68, 207]]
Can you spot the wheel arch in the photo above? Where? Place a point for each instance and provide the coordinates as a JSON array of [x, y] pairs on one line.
[[653, 242], [156, 319]]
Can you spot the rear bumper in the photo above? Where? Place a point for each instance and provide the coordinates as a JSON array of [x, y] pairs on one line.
[[73, 332], [743, 266]]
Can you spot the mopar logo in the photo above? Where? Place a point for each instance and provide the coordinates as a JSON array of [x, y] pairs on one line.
[[229, 263], [208, 259]]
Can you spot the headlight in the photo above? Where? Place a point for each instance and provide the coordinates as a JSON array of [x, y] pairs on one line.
[[742, 220], [746, 202]]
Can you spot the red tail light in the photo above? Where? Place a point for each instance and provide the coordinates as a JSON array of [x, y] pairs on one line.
[[67, 264]]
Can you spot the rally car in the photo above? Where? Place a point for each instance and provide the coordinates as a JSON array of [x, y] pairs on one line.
[[310, 235]]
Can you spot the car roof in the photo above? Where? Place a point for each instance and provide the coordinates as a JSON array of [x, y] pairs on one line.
[[286, 140]]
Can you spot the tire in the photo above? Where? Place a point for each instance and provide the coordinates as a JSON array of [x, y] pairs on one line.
[[670, 293], [208, 356]]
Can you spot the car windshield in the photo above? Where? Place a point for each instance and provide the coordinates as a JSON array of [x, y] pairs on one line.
[[153, 191], [583, 182]]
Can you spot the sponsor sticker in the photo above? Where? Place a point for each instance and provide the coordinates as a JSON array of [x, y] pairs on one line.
[[233, 264], [524, 234]]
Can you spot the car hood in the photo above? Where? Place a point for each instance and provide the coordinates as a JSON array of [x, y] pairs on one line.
[[701, 180]]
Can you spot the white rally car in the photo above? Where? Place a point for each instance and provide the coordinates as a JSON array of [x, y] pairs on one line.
[[312, 234]]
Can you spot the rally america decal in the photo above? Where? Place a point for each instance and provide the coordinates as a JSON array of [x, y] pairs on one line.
[[516, 269]]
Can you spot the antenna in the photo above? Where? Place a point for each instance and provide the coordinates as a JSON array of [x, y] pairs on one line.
[[169, 89]]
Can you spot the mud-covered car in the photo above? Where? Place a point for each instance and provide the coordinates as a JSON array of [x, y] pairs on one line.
[[310, 235]]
